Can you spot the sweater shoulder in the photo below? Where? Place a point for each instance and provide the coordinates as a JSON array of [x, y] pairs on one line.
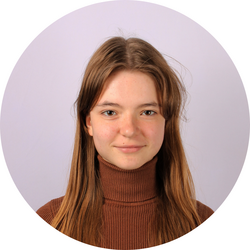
[[48, 211], [204, 211]]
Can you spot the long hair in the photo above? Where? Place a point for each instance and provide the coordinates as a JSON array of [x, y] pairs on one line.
[[80, 214]]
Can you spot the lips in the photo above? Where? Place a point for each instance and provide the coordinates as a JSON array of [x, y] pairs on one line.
[[129, 148]]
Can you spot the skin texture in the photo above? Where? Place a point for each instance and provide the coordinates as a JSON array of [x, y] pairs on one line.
[[126, 123]]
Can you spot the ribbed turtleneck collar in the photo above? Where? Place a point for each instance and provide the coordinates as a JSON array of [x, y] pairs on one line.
[[128, 185]]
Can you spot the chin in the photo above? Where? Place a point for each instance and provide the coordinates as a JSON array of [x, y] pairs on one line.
[[129, 164]]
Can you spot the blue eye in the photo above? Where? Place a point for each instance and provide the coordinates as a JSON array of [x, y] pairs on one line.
[[109, 113], [148, 112]]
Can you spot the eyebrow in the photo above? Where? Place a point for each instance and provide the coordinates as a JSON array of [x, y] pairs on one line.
[[149, 104]]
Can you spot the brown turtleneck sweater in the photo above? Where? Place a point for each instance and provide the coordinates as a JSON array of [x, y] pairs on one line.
[[129, 204]]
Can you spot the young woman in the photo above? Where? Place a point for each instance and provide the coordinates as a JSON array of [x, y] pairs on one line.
[[130, 186]]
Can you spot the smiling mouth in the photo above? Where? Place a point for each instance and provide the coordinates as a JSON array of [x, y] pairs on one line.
[[129, 149]]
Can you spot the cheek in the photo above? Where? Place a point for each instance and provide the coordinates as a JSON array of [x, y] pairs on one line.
[[103, 133], [155, 133]]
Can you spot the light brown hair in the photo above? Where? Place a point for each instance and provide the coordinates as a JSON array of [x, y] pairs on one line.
[[80, 215]]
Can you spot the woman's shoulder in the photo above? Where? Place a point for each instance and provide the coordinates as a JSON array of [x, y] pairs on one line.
[[204, 211], [50, 209]]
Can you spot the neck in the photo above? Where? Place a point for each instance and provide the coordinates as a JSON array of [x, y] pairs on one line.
[[128, 185]]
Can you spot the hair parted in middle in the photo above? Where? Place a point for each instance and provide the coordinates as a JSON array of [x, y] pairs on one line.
[[80, 215]]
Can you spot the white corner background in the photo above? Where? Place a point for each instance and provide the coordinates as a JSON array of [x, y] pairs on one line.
[[22, 21]]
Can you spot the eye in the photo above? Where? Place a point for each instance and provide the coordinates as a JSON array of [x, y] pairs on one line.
[[148, 112], [109, 113]]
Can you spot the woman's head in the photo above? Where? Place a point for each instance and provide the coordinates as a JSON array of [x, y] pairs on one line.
[[140, 59], [126, 122]]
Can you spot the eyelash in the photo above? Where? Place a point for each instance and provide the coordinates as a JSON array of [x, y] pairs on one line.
[[149, 111], [105, 112], [113, 112]]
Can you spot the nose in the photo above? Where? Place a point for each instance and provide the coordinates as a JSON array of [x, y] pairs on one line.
[[129, 126]]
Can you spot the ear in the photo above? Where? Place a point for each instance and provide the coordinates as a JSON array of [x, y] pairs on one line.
[[89, 125]]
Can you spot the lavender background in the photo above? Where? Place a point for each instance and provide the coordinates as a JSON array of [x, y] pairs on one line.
[[37, 118]]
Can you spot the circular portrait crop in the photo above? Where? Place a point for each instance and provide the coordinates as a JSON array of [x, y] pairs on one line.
[[124, 125]]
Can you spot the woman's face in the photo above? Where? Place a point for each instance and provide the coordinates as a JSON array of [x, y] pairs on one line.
[[126, 123]]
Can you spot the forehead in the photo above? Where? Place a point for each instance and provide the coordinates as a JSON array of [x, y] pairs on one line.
[[129, 87]]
